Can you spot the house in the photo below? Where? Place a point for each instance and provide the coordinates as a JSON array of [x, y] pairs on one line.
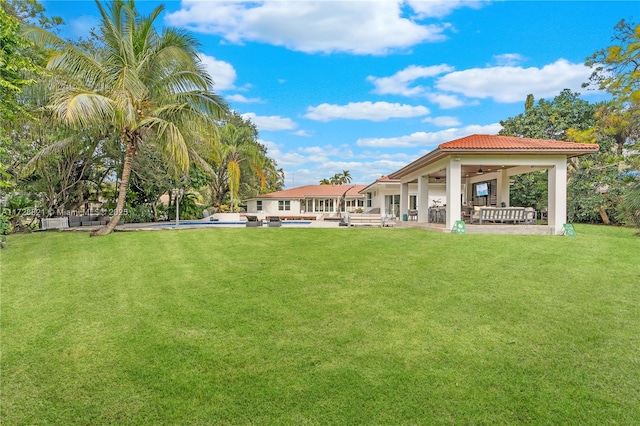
[[443, 185], [309, 201], [383, 195]]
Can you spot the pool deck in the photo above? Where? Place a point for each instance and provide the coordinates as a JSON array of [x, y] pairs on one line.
[[433, 227]]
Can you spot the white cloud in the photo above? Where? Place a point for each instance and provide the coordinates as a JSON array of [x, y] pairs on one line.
[[375, 27], [308, 165], [302, 133], [440, 8], [508, 59], [270, 122], [429, 139], [378, 111], [242, 99], [513, 84], [443, 121], [445, 101], [223, 73], [398, 83]]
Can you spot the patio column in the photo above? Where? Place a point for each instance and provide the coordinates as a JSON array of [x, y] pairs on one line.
[[454, 183], [503, 188], [423, 199], [404, 199], [557, 214]]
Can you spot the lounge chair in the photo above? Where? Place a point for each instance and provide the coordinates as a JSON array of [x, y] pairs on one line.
[[253, 222], [274, 222]]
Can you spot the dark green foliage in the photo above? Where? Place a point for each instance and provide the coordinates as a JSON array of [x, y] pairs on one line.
[[16, 65], [631, 203], [20, 213], [552, 119], [529, 190], [545, 120]]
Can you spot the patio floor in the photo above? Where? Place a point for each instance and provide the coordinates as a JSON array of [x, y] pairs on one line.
[[482, 229]]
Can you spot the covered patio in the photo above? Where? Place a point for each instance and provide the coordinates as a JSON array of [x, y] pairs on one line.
[[476, 170]]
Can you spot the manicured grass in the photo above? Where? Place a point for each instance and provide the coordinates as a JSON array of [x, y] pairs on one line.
[[321, 326]]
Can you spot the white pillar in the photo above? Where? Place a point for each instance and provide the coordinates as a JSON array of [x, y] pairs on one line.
[[503, 188], [404, 199], [423, 199], [557, 214], [454, 184]]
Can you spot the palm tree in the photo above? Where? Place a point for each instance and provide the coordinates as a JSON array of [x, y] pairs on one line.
[[236, 150], [345, 177], [325, 181], [145, 84], [631, 200]]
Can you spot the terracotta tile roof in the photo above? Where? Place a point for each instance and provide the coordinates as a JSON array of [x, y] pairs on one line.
[[387, 179], [383, 180], [316, 191], [494, 142]]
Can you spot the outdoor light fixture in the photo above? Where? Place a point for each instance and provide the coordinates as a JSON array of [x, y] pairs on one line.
[[479, 172], [177, 193]]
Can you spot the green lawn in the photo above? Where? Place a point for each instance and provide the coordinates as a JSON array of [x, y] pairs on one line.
[[320, 326]]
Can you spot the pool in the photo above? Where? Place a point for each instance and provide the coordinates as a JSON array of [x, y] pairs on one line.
[[239, 223]]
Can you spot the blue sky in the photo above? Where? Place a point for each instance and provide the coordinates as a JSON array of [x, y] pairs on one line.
[[369, 86]]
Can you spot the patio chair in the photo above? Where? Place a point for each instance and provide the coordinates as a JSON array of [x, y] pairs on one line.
[[253, 222], [530, 216], [274, 222]]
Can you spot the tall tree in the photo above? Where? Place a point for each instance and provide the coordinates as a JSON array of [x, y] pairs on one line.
[[337, 179], [15, 65], [237, 154], [617, 70], [148, 85], [552, 119], [561, 119], [617, 67], [528, 104]]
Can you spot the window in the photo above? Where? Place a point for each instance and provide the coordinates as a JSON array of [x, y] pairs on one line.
[[369, 199], [413, 202], [259, 205], [284, 205]]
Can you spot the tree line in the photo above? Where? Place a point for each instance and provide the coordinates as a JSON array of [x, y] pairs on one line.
[[603, 187], [121, 117]]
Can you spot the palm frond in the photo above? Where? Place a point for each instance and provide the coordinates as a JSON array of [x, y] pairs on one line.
[[60, 147], [201, 162], [81, 109], [170, 138], [41, 37]]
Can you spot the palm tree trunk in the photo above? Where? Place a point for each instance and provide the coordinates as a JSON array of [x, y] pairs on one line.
[[604, 216], [122, 192]]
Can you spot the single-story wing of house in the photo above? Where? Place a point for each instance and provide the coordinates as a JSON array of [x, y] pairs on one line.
[[383, 196], [309, 201]]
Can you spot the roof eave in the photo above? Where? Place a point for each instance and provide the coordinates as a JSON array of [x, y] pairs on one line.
[[440, 153]]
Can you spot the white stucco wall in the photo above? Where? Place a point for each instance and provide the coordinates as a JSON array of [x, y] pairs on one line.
[[270, 207]]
